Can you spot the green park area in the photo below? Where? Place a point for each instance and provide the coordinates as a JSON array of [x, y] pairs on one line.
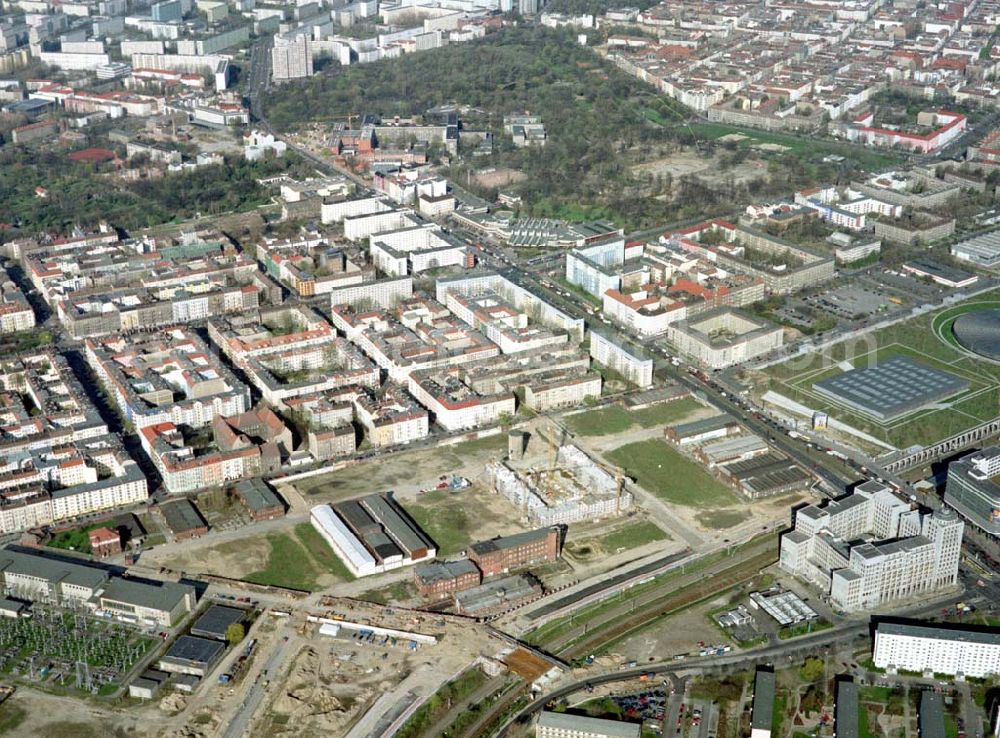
[[751, 137], [661, 470]]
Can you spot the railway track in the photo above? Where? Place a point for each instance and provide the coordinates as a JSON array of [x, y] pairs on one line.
[[613, 626], [668, 603]]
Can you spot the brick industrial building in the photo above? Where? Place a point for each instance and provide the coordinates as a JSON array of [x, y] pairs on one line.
[[500, 555]]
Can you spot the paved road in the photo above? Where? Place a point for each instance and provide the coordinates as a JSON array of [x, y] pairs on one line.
[[255, 695]]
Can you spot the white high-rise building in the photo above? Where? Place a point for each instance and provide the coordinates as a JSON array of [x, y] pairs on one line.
[[870, 548], [291, 59]]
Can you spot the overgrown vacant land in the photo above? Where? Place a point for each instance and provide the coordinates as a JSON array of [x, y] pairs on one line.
[[616, 419], [661, 470], [927, 339]]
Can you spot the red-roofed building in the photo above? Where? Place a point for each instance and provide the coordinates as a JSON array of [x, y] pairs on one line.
[[950, 126], [105, 542]]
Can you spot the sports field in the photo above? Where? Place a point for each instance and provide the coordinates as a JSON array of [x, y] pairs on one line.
[[927, 339]]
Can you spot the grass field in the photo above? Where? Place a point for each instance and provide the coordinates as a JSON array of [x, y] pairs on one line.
[[616, 419], [11, 717], [662, 471], [722, 519], [448, 525], [632, 536], [298, 559], [604, 422], [76, 539], [667, 412], [926, 339]]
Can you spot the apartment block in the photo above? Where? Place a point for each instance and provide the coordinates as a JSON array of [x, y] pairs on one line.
[[723, 337], [620, 358], [454, 404], [930, 648], [418, 334], [43, 405], [123, 286], [562, 392], [291, 351], [54, 484], [380, 293], [234, 447], [308, 264], [291, 59], [166, 376], [415, 249], [515, 295], [785, 267], [15, 310], [509, 328], [596, 268]]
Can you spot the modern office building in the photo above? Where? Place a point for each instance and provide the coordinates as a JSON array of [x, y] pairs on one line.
[[871, 548], [973, 488], [937, 649]]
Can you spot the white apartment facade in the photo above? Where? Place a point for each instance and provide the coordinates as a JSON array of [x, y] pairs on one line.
[[607, 353], [931, 649]]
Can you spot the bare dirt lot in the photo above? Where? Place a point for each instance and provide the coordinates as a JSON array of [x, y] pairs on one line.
[[404, 473], [707, 168], [497, 177], [673, 635], [326, 688], [229, 558]]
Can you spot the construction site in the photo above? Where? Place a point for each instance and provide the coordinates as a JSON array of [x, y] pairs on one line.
[[567, 487]]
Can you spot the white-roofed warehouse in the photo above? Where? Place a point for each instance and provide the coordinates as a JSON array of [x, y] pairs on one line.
[[344, 543]]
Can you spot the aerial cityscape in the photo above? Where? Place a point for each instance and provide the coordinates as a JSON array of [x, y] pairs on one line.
[[500, 368]]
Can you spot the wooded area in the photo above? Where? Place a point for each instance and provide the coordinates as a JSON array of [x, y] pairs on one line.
[[82, 194], [599, 124]]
